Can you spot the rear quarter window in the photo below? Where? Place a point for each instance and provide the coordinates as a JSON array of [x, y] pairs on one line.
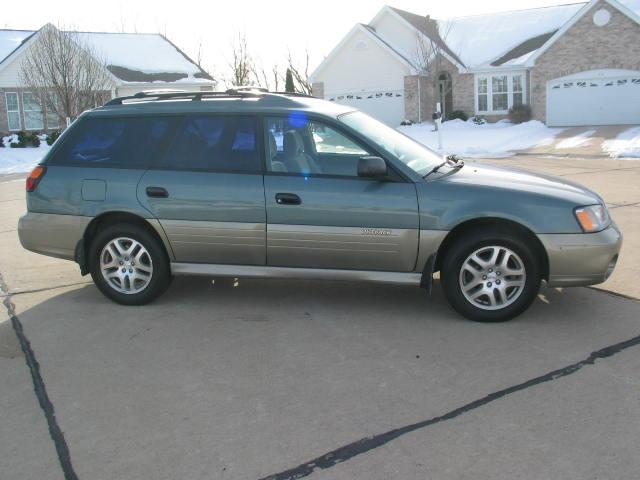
[[114, 142]]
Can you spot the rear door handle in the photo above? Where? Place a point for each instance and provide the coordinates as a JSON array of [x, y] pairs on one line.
[[157, 192], [288, 199]]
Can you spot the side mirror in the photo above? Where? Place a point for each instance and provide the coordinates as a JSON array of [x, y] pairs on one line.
[[372, 167]]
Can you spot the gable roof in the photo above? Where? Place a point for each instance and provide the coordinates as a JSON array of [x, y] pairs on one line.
[[428, 27], [360, 27], [481, 40], [129, 57], [629, 11]]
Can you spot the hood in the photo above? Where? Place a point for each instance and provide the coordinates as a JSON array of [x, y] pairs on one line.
[[510, 178]]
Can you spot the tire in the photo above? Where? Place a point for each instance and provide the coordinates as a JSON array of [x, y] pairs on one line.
[[512, 292], [142, 277]]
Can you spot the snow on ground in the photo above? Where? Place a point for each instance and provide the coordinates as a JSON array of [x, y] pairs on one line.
[[625, 145], [499, 139], [580, 140], [18, 160]]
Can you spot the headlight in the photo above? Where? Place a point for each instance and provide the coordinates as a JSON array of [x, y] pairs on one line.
[[592, 218]]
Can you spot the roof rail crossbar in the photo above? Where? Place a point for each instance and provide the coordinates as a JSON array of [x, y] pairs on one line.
[[196, 96]]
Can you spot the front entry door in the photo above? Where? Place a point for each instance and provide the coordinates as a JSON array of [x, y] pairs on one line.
[[208, 193], [320, 214]]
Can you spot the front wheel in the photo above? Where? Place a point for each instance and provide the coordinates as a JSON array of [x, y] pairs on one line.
[[128, 264], [491, 277]]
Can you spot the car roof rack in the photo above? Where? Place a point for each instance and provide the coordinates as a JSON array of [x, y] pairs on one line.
[[235, 92]]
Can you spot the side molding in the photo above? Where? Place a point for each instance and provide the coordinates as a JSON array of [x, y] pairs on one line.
[[248, 271]]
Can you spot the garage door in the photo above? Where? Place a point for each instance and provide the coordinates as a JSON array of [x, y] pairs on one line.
[[602, 97], [385, 105]]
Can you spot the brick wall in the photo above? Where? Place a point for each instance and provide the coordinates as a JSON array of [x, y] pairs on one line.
[[583, 47], [462, 93]]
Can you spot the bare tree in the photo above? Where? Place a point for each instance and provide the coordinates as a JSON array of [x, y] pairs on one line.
[[300, 73], [432, 51], [65, 73], [242, 67], [270, 80]]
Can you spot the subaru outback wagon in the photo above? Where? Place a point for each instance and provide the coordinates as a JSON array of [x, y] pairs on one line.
[[255, 184]]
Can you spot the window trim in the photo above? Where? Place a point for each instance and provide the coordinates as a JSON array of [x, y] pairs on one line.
[[24, 112], [489, 77], [47, 115], [395, 177], [6, 103]]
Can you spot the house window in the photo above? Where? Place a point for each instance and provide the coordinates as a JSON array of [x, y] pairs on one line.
[[33, 118], [53, 120], [13, 111], [499, 93], [518, 90], [496, 94], [483, 95]]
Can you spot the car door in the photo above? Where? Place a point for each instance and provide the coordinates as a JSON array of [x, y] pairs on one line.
[[320, 214], [208, 191]]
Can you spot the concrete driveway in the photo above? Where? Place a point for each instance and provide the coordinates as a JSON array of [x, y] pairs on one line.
[[283, 380]]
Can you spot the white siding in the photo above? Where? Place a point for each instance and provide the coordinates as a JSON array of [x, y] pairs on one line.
[[10, 75], [403, 37], [364, 68]]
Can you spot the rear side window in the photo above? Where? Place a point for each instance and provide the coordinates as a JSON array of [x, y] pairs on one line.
[[114, 142], [215, 143]]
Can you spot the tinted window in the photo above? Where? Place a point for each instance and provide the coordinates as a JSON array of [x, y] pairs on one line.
[[114, 142], [215, 143]]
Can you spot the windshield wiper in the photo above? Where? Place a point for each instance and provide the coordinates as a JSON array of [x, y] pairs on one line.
[[452, 161]]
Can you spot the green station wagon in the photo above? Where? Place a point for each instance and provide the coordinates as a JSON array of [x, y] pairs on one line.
[[253, 184]]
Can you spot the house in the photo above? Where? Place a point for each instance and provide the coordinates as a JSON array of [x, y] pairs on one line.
[[134, 62], [576, 64]]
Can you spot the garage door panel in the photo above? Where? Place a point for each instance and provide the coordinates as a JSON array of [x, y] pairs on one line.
[[594, 101], [385, 105]]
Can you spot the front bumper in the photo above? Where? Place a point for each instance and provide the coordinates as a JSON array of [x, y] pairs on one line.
[[582, 258]]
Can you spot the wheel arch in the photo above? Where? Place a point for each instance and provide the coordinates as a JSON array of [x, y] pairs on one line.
[[113, 217], [499, 224]]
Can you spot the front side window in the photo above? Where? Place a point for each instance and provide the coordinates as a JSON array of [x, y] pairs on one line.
[[388, 140], [114, 142], [215, 143], [13, 111], [500, 93], [483, 94], [298, 145], [33, 118]]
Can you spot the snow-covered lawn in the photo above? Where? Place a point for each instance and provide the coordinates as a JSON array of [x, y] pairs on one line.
[[489, 140], [625, 145], [18, 160]]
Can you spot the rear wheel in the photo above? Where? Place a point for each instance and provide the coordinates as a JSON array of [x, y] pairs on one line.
[[128, 264], [490, 277]]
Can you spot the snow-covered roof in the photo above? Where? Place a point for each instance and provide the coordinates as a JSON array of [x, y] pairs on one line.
[[143, 57], [480, 40], [130, 57], [12, 39], [499, 39]]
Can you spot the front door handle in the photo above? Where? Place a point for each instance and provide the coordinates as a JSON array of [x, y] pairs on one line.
[[288, 199], [157, 192]]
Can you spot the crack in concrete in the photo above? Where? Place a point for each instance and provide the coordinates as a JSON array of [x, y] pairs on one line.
[[366, 444], [43, 289], [40, 390]]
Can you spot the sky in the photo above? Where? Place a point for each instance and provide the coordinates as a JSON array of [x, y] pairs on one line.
[[271, 28]]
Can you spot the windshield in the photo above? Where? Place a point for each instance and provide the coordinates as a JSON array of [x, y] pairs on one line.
[[413, 154]]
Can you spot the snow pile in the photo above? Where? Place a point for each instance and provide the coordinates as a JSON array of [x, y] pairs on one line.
[[625, 145], [580, 140], [499, 139]]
